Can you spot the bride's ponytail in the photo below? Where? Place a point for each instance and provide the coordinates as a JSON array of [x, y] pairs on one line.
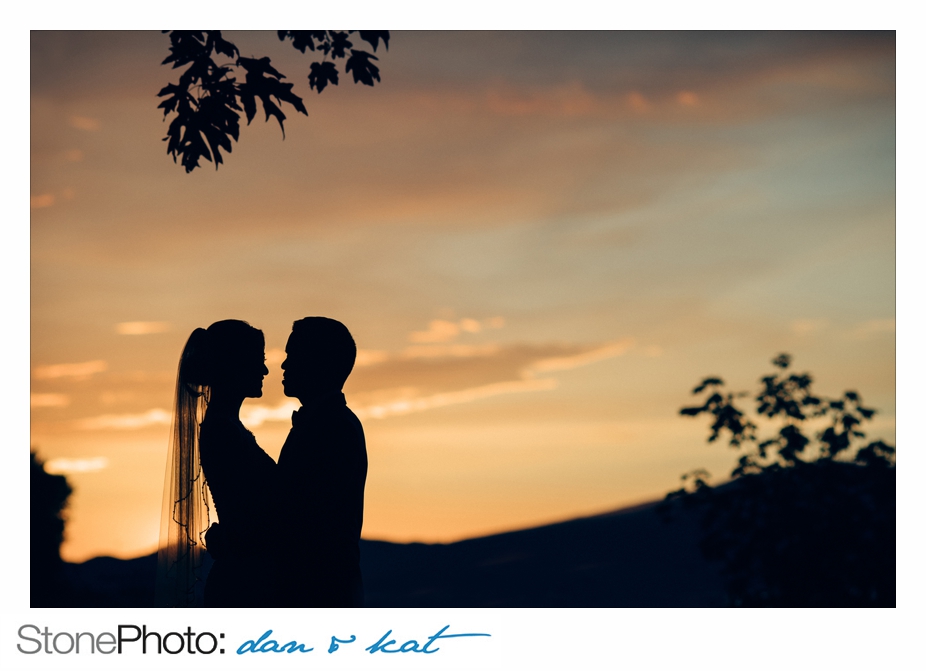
[[195, 360], [185, 511]]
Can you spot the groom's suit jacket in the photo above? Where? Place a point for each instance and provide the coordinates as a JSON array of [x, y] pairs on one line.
[[322, 471]]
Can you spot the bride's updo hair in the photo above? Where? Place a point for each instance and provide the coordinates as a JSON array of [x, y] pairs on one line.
[[210, 354]]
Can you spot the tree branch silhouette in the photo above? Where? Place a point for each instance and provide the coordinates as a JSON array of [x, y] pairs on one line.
[[808, 518], [207, 100]]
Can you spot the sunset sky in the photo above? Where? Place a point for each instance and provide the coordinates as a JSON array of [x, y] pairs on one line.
[[540, 241]]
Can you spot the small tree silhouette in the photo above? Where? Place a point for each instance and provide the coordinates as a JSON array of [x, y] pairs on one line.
[[808, 519], [48, 496], [208, 98]]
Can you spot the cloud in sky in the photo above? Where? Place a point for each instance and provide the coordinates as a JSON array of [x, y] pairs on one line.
[[43, 200], [153, 417], [432, 378], [451, 350], [637, 101], [370, 357], [49, 400], [525, 170], [142, 328], [874, 327], [65, 466], [257, 414], [443, 330], [405, 406], [439, 330], [569, 100], [442, 368], [403, 401], [687, 98], [84, 123], [75, 370], [583, 359], [419, 378], [527, 381], [808, 326]]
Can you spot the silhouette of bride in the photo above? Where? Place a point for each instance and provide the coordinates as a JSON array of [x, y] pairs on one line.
[[213, 453]]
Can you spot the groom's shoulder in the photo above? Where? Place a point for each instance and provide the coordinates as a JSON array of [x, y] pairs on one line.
[[334, 422]]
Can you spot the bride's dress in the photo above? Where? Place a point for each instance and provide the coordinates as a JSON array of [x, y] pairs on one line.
[[241, 478]]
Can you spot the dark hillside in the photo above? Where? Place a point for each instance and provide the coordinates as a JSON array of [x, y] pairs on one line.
[[627, 558]]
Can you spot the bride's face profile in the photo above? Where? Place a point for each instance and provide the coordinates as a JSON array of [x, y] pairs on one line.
[[243, 372], [251, 371]]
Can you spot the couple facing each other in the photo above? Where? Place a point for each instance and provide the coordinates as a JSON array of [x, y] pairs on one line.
[[289, 531]]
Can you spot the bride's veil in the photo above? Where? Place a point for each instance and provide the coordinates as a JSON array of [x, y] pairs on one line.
[[185, 507]]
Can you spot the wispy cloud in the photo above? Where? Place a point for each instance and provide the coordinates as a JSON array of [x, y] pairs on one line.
[[153, 417], [81, 370], [49, 400], [257, 414], [412, 380], [84, 123], [443, 330], [142, 328], [807, 326], [441, 368], [569, 100], [370, 357], [454, 350], [404, 401], [439, 330], [569, 362], [687, 98], [874, 327], [405, 406], [65, 466], [637, 101], [40, 201]]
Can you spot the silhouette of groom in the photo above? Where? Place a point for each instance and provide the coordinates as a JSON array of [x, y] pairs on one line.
[[322, 470]]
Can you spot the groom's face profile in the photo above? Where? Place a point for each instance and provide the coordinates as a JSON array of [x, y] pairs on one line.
[[320, 354], [300, 369]]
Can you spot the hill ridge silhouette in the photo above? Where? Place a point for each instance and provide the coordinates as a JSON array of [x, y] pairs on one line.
[[630, 557]]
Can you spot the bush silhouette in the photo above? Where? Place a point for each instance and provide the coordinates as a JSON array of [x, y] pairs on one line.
[[808, 517], [48, 496]]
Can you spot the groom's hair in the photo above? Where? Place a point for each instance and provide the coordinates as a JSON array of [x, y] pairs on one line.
[[329, 341]]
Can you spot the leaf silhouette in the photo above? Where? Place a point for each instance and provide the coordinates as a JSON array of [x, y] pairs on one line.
[[364, 71], [321, 74], [185, 47], [339, 44], [207, 100], [372, 37], [259, 85], [224, 47]]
